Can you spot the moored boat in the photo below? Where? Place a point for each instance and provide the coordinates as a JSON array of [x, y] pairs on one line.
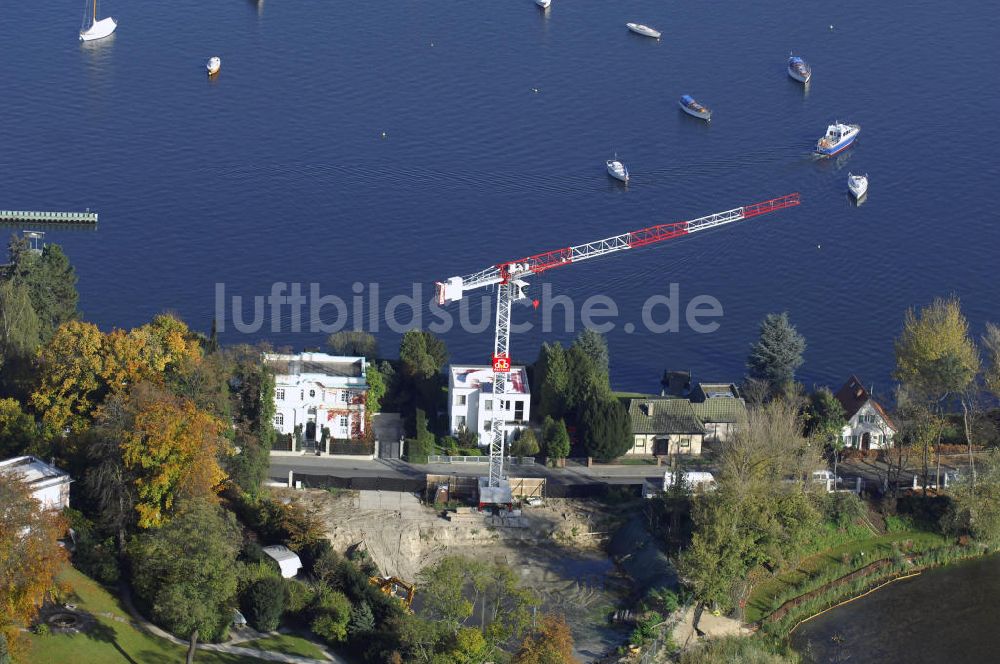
[[213, 65], [644, 30], [799, 69], [98, 29], [544, 4], [858, 184], [690, 106], [617, 170], [838, 137]]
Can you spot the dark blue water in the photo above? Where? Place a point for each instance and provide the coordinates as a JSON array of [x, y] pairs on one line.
[[279, 171], [944, 615]]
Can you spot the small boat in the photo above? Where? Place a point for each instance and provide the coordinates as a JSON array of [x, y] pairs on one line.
[[838, 137], [799, 69], [213, 65], [644, 30], [544, 4], [98, 29], [692, 107], [617, 170], [858, 184]]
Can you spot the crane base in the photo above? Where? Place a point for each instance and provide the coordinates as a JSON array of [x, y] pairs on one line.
[[494, 495]]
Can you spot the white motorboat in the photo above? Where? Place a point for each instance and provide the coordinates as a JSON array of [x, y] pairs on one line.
[[644, 30], [838, 137], [544, 4], [858, 184], [98, 29], [617, 170], [213, 65]]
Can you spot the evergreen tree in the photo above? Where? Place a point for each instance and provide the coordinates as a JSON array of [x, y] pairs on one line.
[[586, 385], [777, 353], [526, 444], [595, 346], [556, 438], [605, 429], [551, 380], [362, 620]]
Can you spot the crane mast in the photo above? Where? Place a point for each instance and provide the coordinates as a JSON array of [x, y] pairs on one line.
[[495, 489]]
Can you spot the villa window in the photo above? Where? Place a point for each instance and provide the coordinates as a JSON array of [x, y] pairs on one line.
[[279, 419], [461, 399], [684, 442], [489, 404], [343, 421], [519, 410], [460, 421], [487, 425], [344, 396], [312, 393], [279, 394]]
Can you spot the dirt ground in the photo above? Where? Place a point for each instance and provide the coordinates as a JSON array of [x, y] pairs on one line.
[[557, 553]]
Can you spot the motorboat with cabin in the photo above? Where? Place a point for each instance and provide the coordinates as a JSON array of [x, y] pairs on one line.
[[691, 106], [838, 137], [799, 69]]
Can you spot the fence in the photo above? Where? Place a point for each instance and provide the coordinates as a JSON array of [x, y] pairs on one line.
[[461, 487], [406, 484], [443, 458], [353, 447]]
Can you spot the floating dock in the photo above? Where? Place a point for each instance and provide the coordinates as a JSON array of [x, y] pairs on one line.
[[33, 216]]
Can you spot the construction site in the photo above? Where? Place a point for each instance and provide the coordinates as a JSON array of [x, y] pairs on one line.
[[555, 546]]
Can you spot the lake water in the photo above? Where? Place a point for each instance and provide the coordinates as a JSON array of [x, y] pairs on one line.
[[943, 615], [404, 142]]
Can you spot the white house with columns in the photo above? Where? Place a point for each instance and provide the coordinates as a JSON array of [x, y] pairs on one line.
[[470, 400], [316, 390]]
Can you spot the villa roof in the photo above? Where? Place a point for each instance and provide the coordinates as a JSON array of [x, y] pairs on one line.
[[480, 377], [853, 396], [35, 473], [298, 364], [663, 415]]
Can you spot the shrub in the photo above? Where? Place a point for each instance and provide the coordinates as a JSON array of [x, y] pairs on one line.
[[362, 620], [248, 574], [299, 596], [264, 602], [526, 444], [41, 629], [556, 438], [843, 508]]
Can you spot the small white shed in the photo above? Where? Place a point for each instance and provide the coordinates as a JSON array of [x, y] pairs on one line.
[[288, 562], [48, 485], [692, 479]]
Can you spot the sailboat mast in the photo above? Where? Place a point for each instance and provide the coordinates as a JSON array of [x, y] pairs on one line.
[[95, 11]]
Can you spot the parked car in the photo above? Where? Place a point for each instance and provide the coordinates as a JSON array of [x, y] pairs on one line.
[[825, 476]]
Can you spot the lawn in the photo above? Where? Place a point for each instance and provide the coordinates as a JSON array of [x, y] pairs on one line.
[[111, 641], [288, 644], [768, 595]]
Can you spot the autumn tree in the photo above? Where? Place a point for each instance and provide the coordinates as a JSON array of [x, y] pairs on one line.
[[549, 643], [18, 431], [777, 353], [991, 369], [185, 572], [30, 556], [71, 386], [174, 450], [936, 360]]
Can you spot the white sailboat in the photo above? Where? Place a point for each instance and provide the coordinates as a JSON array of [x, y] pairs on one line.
[[98, 29]]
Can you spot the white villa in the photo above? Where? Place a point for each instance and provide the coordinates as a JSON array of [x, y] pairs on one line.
[[868, 425], [470, 402], [316, 390], [48, 485]]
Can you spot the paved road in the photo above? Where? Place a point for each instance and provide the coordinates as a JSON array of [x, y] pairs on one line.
[[280, 465]]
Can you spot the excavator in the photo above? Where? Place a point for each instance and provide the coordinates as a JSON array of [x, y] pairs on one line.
[[393, 586]]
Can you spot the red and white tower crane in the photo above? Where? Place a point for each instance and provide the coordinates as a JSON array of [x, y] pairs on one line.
[[508, 278]]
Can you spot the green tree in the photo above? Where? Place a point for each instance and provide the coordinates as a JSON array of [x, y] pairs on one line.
[[556, 438], [20, 329], [777, 353], [586, 385], [331, 612], [825, 421], [936, 360], [354, 343], [423, 444], [50, 280], [605, 430], [19, 433], [551, 380], [252, 396], [185, 572], [264, 602], [594, 346], [377, 388], [991, 369], [525, 445], [976, 508], [423, 355]]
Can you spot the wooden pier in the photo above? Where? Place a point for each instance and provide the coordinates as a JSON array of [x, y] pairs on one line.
[[33, 216]]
